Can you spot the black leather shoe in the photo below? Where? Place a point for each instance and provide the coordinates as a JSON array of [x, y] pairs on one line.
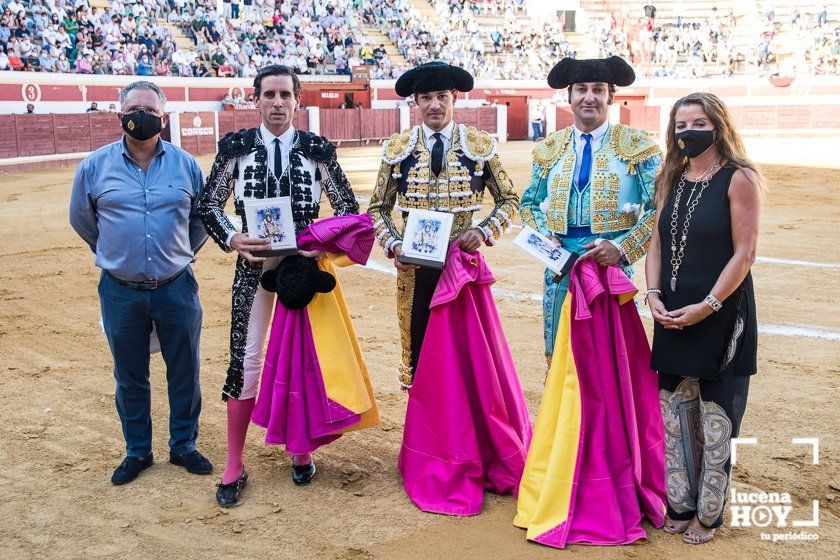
[[303, 474], [130, 468], [228, 495], [194, 462]]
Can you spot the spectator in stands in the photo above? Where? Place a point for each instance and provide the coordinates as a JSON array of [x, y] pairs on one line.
[[94, 107], [30, 109], [84, 65], [226, 70], [144, 66], [162, 67], [367, 54]]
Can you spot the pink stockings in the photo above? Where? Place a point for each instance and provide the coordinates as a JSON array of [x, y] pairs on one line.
[[238, 418]]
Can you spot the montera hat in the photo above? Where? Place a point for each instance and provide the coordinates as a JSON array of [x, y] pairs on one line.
[[433, 76], [296, 281], [613, 70]]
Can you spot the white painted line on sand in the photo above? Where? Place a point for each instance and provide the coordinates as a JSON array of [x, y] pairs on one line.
[[796, 263], [780, 330], [769, 260]]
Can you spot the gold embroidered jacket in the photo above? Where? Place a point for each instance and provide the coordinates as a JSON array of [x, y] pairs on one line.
[[621, 199], [471, 164]]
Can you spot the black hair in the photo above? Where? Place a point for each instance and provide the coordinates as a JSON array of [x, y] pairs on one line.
[[277, 70]]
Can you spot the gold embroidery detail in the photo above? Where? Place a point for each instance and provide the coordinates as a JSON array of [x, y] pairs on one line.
[[405, 301], [478, 142], [398, 144], [632, 145], [636, 243], [558, 193], [547, 152]]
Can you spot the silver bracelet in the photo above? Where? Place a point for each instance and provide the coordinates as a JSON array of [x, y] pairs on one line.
[[649, 291], [712, 302]]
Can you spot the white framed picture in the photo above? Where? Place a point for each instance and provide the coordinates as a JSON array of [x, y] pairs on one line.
[[555, 258], [426, 238], [271, 219]]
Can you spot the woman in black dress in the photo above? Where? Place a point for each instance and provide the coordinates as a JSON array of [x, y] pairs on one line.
[[701, 297]]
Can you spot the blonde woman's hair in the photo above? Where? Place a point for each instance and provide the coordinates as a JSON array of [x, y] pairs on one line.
[[727, 141]]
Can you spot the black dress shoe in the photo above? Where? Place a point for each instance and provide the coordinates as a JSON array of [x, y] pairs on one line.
[[228, 495], [303, 474], [130, 468], [194, 462]]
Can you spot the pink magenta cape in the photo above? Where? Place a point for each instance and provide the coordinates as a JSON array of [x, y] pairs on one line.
[[315, 384], [596, 466], [466, 427]]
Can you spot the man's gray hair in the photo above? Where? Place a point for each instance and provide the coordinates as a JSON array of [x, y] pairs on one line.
[[142, 84]]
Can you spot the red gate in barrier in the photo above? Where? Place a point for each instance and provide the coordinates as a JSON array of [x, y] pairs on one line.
[[357, 126]]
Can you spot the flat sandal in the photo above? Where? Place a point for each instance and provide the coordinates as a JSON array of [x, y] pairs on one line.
[[702, 536], [678, 526]]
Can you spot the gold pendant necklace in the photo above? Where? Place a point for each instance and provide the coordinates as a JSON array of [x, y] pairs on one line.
[[678, 249]]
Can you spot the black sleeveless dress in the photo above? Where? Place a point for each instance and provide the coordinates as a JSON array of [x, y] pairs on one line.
[[726, 342]]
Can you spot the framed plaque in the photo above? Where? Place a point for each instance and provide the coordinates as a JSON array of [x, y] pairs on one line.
[[555, 258], [426, 238], [271, 219]]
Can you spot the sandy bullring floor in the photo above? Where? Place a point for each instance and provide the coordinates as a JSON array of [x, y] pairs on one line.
[[60, 438]]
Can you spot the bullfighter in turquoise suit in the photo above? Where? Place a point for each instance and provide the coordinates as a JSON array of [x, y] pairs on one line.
[[592, 182]]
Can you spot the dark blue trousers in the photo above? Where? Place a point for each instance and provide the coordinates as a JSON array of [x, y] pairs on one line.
[[128, 316]]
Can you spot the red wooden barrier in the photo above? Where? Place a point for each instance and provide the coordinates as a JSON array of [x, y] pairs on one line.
[[8, 140], [198, 132], [35, 135], [564, 117], [640, 116], [341, 125], [72, 133], [104, 129], [378, 124]]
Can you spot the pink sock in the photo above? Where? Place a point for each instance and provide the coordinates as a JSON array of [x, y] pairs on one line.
[[238, 418], [300, 459]]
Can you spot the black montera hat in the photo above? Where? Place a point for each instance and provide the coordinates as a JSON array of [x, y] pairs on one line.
[[433, 76], [613, 70], [296, 281]]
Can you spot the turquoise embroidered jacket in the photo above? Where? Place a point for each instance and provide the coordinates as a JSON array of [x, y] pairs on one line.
[[621, 192]]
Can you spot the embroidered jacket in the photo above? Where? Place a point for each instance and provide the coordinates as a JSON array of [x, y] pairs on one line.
[[241, 168], [621, 189], [471, 164]]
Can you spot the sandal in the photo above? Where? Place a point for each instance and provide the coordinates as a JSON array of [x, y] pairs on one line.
[[676, 526], [696, 535]]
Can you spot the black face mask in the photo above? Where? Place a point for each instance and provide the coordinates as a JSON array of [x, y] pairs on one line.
[[141, 125], [695, 142]]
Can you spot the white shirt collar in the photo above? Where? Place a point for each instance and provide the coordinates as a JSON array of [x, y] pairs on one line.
[[597, 134], [285, 138], [446, 132]]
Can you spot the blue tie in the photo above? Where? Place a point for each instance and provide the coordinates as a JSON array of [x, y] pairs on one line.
[[585, 163]]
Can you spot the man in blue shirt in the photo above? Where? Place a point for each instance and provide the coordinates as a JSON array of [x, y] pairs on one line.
[[133, 203]]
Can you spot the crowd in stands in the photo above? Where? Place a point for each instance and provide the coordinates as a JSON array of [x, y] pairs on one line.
[[327, 36], [511, 51], [137, 36], [711, 46]]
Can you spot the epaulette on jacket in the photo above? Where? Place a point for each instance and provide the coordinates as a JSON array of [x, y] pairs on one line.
[[315, 147], [237, 144]]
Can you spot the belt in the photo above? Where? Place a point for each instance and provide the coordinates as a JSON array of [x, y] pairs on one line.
[[146, 284], [575, 232]]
